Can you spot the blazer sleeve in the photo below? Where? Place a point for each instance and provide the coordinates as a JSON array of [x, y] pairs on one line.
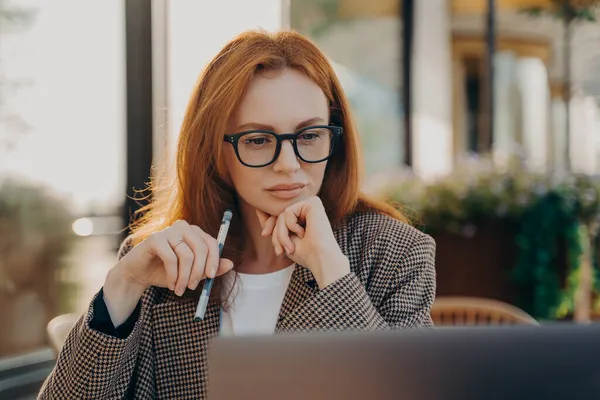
[[94, 365], [404, 293]]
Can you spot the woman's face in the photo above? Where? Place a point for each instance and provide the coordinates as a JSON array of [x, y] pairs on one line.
[[281, 101]]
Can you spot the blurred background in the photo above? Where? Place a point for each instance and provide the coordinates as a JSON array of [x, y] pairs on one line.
[[479, 118]]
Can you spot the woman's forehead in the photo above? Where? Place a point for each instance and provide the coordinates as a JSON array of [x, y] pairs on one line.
[[281, 99]]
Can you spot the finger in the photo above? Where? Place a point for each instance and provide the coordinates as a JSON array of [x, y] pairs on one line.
[[185, 255], [212, 257], [301, 210], [295, 240], [267, 222], [225, 266], [160, 247], [291, 221], [262, 217], [269, 226], [275, 240], [200, 249], [283, 235]]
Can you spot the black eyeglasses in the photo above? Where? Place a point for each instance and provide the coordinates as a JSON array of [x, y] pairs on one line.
[[258, 148]]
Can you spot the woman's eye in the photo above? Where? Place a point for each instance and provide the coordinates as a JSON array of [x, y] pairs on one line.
[[308, 136], [256, 140]]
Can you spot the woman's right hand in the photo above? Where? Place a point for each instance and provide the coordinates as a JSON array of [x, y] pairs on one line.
[[177, 257]]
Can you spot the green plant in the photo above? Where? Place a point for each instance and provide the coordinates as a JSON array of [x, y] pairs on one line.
[[12, 17], [35, 238], [315, 18], [548, 222], [542, 210], [35, 234]]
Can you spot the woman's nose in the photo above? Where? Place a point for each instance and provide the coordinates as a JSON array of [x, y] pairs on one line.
[[287, 160]]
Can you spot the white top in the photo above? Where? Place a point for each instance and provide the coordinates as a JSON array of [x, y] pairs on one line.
[[255, 302]]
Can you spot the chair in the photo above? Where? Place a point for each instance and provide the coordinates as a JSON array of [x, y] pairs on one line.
[[58, 329], [461, 311]]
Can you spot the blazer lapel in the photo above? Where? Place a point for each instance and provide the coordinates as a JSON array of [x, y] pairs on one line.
[[181, 345], [302, 285]]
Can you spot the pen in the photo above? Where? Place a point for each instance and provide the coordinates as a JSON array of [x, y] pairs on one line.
[[208, 282]]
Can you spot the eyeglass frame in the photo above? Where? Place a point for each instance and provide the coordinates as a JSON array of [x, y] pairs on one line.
[[280, 137]]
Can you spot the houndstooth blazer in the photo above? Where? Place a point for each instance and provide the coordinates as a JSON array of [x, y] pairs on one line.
[[391, 286]]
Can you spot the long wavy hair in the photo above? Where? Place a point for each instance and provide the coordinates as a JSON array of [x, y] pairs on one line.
[[201, 191]]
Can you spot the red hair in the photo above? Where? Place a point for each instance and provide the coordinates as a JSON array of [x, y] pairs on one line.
[[201, 193]]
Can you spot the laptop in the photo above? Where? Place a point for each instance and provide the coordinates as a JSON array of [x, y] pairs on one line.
[[551, 362]]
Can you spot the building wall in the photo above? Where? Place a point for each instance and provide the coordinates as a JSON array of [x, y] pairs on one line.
[[432, 85], [529, 68], [363, 41]]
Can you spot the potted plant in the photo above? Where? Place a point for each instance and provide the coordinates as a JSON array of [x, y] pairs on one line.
[[508, 234], [35, 236]]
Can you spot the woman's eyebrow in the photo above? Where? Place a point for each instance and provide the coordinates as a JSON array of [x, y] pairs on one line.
[[312, 121], [266, 127]]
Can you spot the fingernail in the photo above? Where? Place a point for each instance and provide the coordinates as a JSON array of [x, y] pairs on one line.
[[195, 284], [172, 287], [288, 250]]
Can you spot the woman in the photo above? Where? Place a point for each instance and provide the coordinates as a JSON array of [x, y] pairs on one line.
[[268, 133]]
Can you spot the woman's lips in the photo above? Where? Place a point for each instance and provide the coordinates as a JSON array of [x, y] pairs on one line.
[[286, 192]]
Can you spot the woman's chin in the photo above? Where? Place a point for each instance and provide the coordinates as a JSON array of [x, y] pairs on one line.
[[276, 207]]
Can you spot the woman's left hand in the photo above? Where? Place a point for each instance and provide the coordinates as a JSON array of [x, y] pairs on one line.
[[303, 232]]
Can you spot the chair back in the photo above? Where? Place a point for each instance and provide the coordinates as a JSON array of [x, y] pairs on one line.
[[462, 311], [58, 329]]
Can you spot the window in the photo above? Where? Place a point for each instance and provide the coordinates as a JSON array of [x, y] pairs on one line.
[[362, 40], [68, 61]]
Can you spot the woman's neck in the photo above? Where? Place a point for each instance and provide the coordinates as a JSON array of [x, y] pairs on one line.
[[259, 256]]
